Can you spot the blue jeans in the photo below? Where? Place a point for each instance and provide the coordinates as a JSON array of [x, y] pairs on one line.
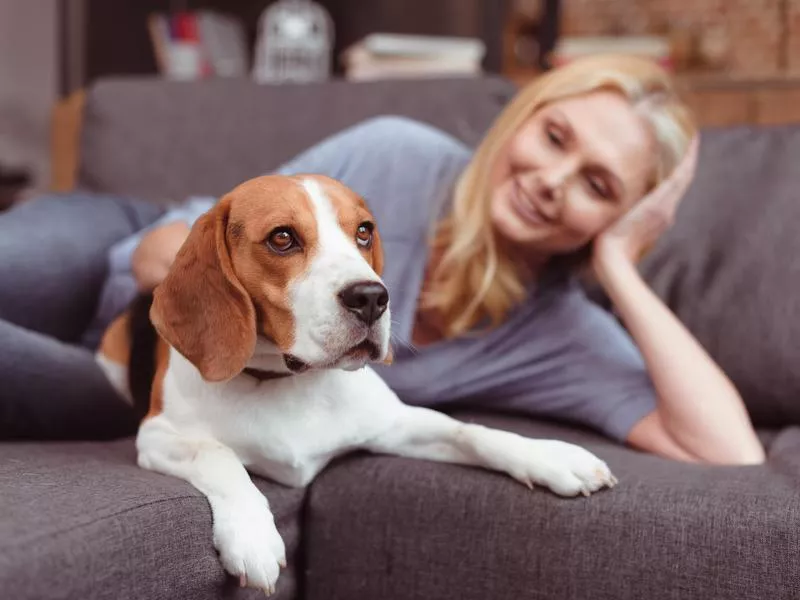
[[53, 261]]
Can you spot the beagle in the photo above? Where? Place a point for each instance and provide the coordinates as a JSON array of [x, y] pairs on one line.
[[266, 323]]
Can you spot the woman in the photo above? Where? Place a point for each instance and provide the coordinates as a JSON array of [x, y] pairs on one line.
[[483, 249]]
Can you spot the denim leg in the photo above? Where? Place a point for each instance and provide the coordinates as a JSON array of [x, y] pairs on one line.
[[54, 257], [51, 390]]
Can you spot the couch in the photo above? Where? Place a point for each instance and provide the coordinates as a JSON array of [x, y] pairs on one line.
[[79, 520]]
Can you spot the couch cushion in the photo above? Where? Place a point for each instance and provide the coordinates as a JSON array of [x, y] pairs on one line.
[[82, 520], [165, 140], [729, 267], [386, 527]]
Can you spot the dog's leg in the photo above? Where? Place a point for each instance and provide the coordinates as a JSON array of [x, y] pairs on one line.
[[245, 535], [566, 469]]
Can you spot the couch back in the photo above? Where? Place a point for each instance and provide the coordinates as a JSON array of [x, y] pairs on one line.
[[164, 140], [729, 268]]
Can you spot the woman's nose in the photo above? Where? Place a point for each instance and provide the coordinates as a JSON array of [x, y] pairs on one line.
[[555, 176]]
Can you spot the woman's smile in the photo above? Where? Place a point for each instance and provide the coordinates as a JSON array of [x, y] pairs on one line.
[[525, 206]]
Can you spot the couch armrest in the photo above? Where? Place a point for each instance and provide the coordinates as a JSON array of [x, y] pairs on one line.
[[65, 128]]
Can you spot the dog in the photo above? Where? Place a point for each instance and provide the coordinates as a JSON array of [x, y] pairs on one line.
[[261, 336]]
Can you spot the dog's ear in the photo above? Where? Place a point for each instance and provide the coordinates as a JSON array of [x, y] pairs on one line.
[[201, 308]]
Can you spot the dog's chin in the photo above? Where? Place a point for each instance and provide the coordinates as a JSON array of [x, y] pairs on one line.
[[361, 355], [351, 359]]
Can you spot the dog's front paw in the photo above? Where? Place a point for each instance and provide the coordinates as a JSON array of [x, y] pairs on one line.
[[566, 469], [249, 545]]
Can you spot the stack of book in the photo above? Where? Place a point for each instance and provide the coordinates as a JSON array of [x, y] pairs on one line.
[[654, 47], [192, 45], [386, 56]]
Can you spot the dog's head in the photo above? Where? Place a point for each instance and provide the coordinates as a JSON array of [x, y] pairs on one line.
[[296, 260]]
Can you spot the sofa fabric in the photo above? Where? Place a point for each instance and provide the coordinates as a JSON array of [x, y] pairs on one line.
[[395, 528], [165, 140], [729, 267], [82, 521]]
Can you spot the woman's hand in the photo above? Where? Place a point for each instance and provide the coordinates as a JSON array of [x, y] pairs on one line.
[[156, 252], [639, 229]]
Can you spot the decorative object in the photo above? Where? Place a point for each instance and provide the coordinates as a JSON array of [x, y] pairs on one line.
[[295, 43]]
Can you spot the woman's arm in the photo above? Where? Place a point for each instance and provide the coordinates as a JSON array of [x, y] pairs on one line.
[[155, 253], [699, 416]]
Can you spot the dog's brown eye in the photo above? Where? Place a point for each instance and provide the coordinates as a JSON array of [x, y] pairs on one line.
[[364, 235], [282, 240]]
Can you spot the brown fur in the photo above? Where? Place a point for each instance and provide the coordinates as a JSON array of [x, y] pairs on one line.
[[116, 345], [157, 393], [205, 306]]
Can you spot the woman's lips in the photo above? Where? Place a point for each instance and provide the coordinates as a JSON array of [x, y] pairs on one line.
[[524, 206]]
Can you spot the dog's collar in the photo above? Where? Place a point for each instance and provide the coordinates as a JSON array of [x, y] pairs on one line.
[[262, 375]]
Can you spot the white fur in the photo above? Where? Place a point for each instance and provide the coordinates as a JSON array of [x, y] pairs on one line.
[[289, 429], [318, 314], [117, 374]]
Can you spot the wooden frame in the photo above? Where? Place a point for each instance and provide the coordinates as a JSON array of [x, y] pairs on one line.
[[65, 130]]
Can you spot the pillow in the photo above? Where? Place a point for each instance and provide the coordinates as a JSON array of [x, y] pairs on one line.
[[730, 266]]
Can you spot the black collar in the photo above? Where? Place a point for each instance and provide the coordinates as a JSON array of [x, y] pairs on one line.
[[265, 375]]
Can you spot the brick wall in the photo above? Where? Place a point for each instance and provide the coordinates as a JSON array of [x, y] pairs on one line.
[[762, 37], [793, 36]]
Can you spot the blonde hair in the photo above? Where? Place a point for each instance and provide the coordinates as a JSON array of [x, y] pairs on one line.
[[475, 282]]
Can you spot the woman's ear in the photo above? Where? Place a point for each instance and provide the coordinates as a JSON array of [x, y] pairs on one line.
[[201, 309]]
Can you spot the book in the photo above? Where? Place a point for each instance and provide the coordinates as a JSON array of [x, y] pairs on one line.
[[193, 45], [383, 56], [224, 44], [653, 47]]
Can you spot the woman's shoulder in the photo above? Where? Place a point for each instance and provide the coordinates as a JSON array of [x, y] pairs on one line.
[[399, 129], [383, 140]]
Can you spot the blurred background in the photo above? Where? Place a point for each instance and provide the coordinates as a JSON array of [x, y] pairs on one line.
[[737, 60]]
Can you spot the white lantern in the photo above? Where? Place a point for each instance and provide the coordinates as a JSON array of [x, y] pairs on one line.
[[295, 43]]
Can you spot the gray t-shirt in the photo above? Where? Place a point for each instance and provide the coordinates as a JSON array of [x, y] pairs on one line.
[[558, 355]]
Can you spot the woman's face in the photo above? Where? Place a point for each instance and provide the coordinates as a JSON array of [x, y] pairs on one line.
[[574, 167]]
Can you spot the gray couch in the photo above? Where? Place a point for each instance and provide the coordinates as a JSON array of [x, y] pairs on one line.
[[81, 521]]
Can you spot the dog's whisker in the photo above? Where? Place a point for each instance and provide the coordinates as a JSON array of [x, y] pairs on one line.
[[396, 340]]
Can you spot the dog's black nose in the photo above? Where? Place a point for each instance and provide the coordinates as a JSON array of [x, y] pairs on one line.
[[367, 300]]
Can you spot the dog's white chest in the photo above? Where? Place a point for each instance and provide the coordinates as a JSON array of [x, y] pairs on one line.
[[292, 442], [288, 429]]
